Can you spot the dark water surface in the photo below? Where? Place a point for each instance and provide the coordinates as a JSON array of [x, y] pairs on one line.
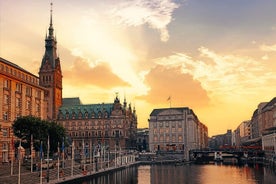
[[188, 174]]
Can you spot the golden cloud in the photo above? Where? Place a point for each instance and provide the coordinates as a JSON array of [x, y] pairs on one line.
[[183, 89], [81, 73]]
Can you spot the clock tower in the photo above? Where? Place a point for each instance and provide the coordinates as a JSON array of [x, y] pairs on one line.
[[50, 75]]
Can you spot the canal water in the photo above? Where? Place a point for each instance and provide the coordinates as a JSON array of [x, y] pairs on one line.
[[188, 174]]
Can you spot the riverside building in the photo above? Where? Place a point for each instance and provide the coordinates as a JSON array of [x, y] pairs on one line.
[[176, 130], [113, 124]]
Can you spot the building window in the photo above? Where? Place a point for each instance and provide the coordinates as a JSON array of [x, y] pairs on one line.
[[173, 138], [28, 91], [6, 99], [173, 124], [38, 94], [5, 116], [73, 115], [18, 87], [17, 102], [80, 115], [5, 132], [38, 108], [28, 105], [173, 130], [7, 84], [180, 138], [167, 138]]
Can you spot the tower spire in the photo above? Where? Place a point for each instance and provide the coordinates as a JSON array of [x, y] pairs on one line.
[[50, 75], [51, 12], [51, 29]]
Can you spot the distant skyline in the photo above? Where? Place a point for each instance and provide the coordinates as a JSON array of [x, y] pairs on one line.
[[215, 57]]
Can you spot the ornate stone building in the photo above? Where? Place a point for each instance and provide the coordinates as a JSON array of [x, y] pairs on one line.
[[107, 124], [176, 129]]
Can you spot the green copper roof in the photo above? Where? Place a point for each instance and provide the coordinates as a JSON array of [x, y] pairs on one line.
[[74, 108], [71, 101]]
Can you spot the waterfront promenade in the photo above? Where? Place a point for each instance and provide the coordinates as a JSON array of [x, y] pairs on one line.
[[70, 172]]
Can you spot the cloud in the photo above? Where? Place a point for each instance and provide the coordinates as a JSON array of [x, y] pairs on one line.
[[268, 48], [223, 76], [101, 75], [183, 89], [155, 13]]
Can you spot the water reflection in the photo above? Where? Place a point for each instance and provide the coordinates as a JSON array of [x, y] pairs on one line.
[[187, 174]]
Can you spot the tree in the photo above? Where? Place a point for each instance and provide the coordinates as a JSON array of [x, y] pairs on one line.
[[27, 126]]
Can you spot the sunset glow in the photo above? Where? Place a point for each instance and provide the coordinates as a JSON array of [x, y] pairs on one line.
[[216, 57]]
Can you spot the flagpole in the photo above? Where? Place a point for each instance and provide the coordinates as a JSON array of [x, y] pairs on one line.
[[41, 150], [48, 151], [83, 159], [19, 163], [31, 153], [58, 163], [63, 154], [72, 161], [90, 155], [12, 158]]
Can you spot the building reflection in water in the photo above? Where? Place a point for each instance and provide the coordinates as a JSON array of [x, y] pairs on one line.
[[187, 174]]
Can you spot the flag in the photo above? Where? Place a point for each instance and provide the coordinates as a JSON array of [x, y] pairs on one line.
[[169, 98], [41, 150]]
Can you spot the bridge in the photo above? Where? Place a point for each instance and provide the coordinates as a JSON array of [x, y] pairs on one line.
[[229, 154]]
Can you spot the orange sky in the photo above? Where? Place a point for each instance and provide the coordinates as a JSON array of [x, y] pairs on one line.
[[216, 57]]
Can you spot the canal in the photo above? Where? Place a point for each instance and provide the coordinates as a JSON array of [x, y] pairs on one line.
[[187, 174]]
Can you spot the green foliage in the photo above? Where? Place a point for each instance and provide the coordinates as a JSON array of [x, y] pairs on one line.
[[27, 126]]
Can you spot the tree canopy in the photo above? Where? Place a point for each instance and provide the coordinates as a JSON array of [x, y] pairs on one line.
[[29, 126]]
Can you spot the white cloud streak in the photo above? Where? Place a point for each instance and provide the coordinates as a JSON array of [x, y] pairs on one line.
[[157, 14]]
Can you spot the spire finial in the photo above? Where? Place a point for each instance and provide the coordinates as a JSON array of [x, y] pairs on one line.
[[51, 11]]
